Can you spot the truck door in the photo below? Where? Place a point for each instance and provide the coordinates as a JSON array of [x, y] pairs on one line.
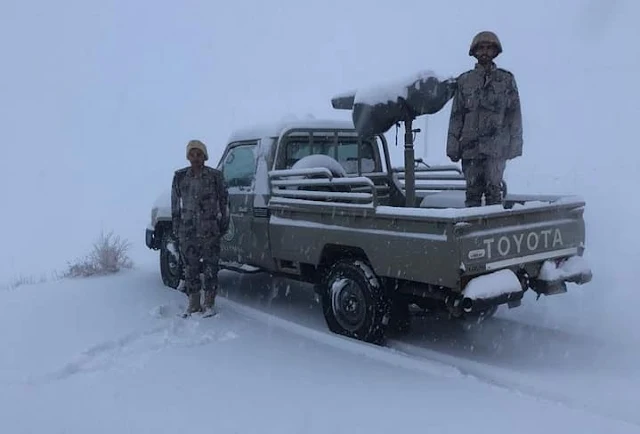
[[238, 165]]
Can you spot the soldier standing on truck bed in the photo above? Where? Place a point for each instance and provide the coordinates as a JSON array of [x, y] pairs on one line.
[[200, 216], [485, 128]]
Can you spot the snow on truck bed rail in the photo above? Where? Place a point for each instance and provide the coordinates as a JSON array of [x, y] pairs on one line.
[[449, 213]]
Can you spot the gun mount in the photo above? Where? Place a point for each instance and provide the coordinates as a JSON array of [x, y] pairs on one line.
[[375, 110]]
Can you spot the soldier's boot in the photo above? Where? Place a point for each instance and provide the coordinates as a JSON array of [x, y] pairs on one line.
[[493, 195], [194, 304], [474, 177], [209, 303], [493, 177]]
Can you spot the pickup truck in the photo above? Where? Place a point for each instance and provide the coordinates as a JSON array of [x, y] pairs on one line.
[[314, 201]]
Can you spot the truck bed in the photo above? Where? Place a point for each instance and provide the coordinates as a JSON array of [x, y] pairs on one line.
[[437, 246]]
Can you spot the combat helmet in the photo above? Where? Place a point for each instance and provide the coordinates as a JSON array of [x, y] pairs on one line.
[[485, 36]]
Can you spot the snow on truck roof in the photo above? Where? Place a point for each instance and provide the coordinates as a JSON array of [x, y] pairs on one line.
[[274, 129]]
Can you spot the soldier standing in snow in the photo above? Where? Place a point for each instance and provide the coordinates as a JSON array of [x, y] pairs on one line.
[[485, 128], [200, 216]]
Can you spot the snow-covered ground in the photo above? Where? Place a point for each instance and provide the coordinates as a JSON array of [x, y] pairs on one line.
[[106, 355]]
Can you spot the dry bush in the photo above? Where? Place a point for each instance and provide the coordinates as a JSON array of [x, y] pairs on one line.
[[109, 256]]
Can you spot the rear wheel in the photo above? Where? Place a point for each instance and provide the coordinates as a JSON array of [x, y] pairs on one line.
[[355, 303], [170, 264]]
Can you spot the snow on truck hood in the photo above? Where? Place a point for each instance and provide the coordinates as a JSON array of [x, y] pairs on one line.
[[161, 207]]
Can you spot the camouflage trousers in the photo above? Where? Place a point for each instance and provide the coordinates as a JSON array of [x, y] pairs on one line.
[[200, 256], [484, 176]]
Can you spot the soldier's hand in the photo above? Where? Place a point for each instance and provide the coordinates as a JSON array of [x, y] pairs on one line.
[[454, 158]]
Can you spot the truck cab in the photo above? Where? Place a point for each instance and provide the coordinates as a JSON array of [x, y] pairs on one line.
[[252, 153]]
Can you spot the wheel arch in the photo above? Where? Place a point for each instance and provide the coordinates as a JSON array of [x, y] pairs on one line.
[[332, 253]]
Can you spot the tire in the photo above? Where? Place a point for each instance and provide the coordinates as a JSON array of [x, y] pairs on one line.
[[354, 302], [171, 268]]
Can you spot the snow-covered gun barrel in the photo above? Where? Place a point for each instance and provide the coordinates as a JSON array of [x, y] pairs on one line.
[[377, 108]]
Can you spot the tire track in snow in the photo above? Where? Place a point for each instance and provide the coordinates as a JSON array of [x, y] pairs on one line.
[[424, 361], [374, 352], [246, 287], [504, 379]]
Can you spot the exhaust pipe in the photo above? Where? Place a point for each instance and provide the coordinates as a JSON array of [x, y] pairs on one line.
[[457, 304], [467, 304]]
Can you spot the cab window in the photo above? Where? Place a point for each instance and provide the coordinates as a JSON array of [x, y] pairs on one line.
[[239, 165], [345, 151]]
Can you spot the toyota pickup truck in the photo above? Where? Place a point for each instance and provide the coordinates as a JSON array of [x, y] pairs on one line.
[[315, 201]]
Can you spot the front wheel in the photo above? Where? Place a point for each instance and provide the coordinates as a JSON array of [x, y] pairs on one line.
[[170, 264], [354, 302]]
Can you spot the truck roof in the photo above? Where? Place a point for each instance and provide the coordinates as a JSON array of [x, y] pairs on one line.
[[274, 129]]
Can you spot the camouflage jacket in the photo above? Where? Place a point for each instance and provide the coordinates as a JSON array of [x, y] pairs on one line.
[[485, 116], [199, 204]]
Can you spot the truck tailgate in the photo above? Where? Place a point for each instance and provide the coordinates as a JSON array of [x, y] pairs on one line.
[[502, 241]]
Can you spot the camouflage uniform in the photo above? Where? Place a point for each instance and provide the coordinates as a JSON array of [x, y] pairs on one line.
[[485, 128], [199, 209]]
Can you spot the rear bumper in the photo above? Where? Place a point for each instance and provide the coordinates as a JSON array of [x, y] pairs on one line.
[[471, 305], [493, 289], [506, 287]]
